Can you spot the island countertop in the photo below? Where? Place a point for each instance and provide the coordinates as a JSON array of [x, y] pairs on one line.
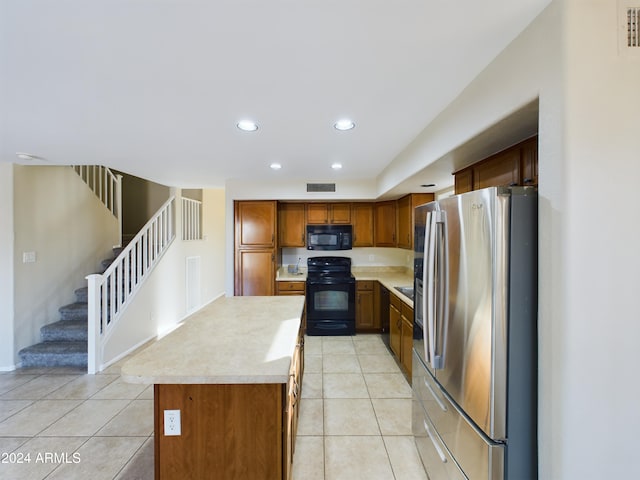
[[232, 340]]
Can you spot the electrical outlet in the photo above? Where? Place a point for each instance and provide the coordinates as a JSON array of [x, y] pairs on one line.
[[172, 423], [372, 258]]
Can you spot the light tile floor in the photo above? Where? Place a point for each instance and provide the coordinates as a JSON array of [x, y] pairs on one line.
[[355, 420]]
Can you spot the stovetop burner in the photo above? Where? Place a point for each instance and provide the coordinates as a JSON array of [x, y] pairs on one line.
[[328, 267]]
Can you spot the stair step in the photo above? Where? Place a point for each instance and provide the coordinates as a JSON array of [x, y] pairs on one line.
[[65, 331], [54, 354], [82, 295], [74, 311], [105, 264]]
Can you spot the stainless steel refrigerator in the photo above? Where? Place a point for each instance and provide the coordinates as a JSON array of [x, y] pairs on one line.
[[475, 335]]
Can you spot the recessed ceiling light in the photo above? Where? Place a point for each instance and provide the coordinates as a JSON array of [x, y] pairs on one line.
[[275, 166], [336, 166], [344, 124], [247, 125], [27, 156]]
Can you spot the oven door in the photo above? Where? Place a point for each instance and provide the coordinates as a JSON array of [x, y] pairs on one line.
[[331, 299]]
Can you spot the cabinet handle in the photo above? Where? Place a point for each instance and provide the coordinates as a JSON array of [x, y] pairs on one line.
[[528, 180]]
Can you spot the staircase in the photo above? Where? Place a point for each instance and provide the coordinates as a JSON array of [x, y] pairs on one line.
[[64, 343]]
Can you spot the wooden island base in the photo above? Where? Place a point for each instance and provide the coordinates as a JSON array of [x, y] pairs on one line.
[[228, 431]]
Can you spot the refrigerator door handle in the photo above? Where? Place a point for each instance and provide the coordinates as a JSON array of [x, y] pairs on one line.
[[428, 282], [442, 294], [443, 457], [442, 406]]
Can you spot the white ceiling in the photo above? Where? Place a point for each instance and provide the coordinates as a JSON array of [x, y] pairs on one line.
[[155, 87]]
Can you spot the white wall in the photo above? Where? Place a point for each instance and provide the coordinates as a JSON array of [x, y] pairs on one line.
[[7, 353], [161, 302], [59, 218], [601, 323]]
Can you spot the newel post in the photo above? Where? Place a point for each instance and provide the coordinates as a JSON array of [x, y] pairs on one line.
[[94, 347]]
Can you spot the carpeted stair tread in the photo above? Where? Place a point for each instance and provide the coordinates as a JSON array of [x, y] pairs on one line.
[[74, 311], [54, 354], [65, 330], [82, 294]]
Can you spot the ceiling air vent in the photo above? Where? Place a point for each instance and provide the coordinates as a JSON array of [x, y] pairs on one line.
[[629, 27], [321, 187]]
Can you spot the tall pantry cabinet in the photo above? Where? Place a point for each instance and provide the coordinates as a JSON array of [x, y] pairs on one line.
[[255, 247]]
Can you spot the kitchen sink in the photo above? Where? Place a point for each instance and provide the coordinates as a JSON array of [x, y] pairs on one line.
[[406, 291]]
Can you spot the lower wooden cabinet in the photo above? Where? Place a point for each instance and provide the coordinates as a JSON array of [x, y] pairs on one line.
[[406, 340], [367, 317], [255, 272], [395, 324], [401, 332]]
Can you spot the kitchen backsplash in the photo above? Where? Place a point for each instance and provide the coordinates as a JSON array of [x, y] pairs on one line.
[[360, 256]]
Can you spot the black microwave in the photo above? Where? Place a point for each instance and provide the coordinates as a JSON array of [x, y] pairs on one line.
[[329, 237]]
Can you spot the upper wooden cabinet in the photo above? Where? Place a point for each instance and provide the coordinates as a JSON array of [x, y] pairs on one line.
[[255, 247], [255, 224], [529, 162], [291, 224], [362, 220], [517, 165], [406, 216], [385, 224], [500, 169], [328, 213]]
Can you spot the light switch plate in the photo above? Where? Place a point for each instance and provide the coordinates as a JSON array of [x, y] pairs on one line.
[[28, 257], [172, 423]]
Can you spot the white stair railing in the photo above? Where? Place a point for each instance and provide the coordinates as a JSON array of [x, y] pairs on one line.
[[191, 219], [108, 188], [110, 292]]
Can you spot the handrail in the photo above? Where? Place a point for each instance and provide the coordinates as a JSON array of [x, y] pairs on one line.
[[107, 186], [191, 219], [111, 292]]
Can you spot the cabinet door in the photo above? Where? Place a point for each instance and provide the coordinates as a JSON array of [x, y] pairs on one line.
[[362, 219], [385, 226], [463, 181], [395, 325], [404, 222], [501, 169], [255, 224], [291, 225], [317, 213], [407, 344], [365, 318], [255, 272], [529, 159], [340, 213]]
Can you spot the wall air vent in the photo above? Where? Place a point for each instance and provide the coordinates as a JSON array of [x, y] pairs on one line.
[[629, 27], [633, 15], [321, 187]]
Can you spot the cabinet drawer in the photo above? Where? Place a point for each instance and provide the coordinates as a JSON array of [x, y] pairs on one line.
[[290, 287], [364, 284], [396, 302], [407, 312]]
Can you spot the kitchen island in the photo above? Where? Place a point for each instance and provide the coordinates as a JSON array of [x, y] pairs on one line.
[[233, 370]]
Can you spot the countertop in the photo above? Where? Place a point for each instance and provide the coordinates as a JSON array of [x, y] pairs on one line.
[[388, 276], [229, 341]]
